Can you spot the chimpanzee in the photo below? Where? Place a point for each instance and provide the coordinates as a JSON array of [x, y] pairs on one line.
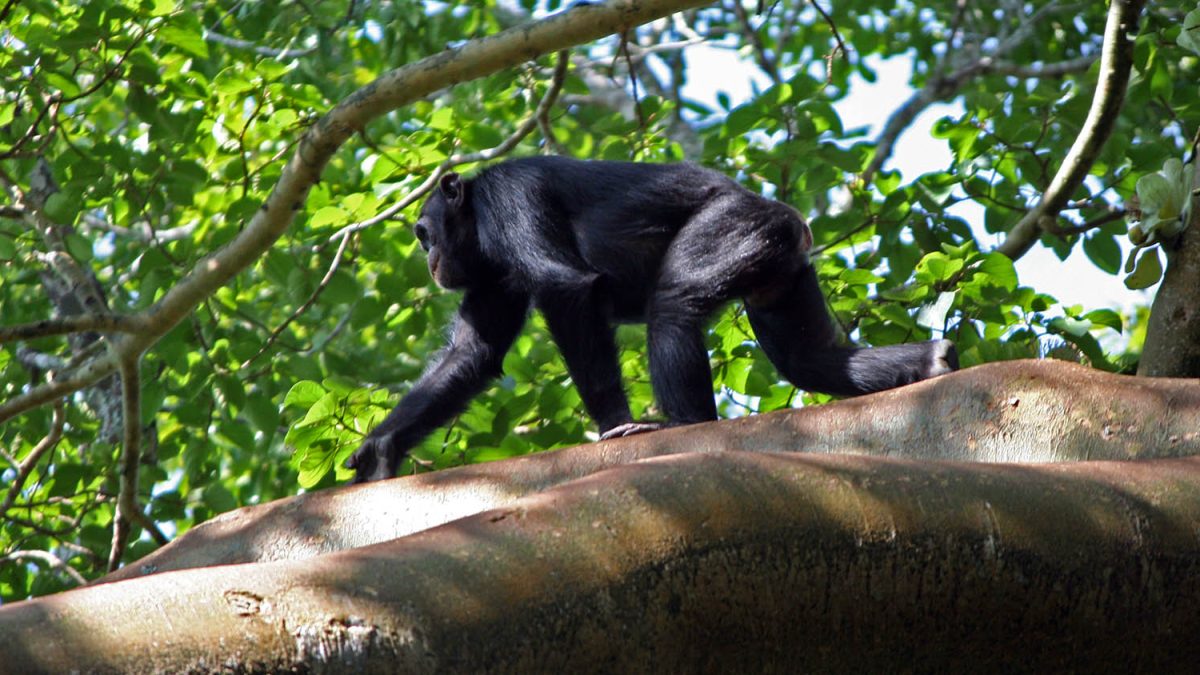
[[594, 243]]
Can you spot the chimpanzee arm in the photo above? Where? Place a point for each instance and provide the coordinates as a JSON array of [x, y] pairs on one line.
[[487, 324]]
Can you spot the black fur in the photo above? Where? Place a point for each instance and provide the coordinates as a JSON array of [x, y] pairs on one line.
[[591, 244]]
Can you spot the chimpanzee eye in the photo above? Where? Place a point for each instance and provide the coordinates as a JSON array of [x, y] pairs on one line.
[[422, 233]]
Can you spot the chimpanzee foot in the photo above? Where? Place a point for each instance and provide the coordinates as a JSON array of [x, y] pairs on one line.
[[630, 429], [943, 358], [376, 459]]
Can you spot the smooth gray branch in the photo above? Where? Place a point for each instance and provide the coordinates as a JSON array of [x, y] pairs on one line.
[[1116, 62]]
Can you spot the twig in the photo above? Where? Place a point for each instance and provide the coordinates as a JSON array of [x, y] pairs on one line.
[[837, 36], [128, 511], [140, 231], [1114, 214], [337, 258], [50, 559], [48, 443], [279, 54]]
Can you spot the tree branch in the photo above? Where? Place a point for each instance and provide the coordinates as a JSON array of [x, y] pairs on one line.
[[54, 562], [77, 323], [131, 409], [1116, 61], [506, 146], [1015, 411], [48, 443], [728, 561], [63, 385], [280, 54], [140, 231], [1172, 346], [941, 87]]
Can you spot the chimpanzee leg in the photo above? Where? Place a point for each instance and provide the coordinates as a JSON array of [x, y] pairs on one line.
[[796, 333], [731, 247]]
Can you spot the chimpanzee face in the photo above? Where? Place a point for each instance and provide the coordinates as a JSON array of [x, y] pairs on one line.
[[445, 233]]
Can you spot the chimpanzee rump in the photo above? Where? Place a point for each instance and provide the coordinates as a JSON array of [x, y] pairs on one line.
[[591, 244]]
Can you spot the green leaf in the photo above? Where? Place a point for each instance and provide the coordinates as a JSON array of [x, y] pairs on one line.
[[859, 277], [7, 110], [79, 247], [189, 38], [231, 82], [303, 394], [1066, 325], [1000, 271], [320, 411], [328, 215], [1103, 250], [219, 497], [314, 464], [262, 413], [161, 7], [1189, 34], [742, 119], [1105, 317], [1147, 272], [61, 208], [937, 267]]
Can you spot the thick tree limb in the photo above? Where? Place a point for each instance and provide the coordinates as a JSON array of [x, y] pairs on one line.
[[1116, 62], [703, 562], [1027, 411]]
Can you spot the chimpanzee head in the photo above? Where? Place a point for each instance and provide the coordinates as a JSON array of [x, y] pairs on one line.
[[446, 230]]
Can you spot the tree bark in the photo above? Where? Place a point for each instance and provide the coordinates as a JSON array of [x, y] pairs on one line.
[[1021, 411], [728, 561], [1173, 335]]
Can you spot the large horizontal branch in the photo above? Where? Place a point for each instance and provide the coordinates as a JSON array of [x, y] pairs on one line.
[[1027, 411], [703, 562]]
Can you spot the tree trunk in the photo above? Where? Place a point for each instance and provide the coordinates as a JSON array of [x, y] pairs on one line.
[[1173, 335]]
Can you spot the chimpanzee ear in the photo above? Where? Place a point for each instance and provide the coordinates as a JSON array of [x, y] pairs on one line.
[[452, 190]]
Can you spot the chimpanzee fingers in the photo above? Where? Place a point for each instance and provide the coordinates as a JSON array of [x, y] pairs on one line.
[[631, 429]]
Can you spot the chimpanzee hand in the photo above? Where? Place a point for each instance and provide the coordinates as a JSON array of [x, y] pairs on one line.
[[376, 459]]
